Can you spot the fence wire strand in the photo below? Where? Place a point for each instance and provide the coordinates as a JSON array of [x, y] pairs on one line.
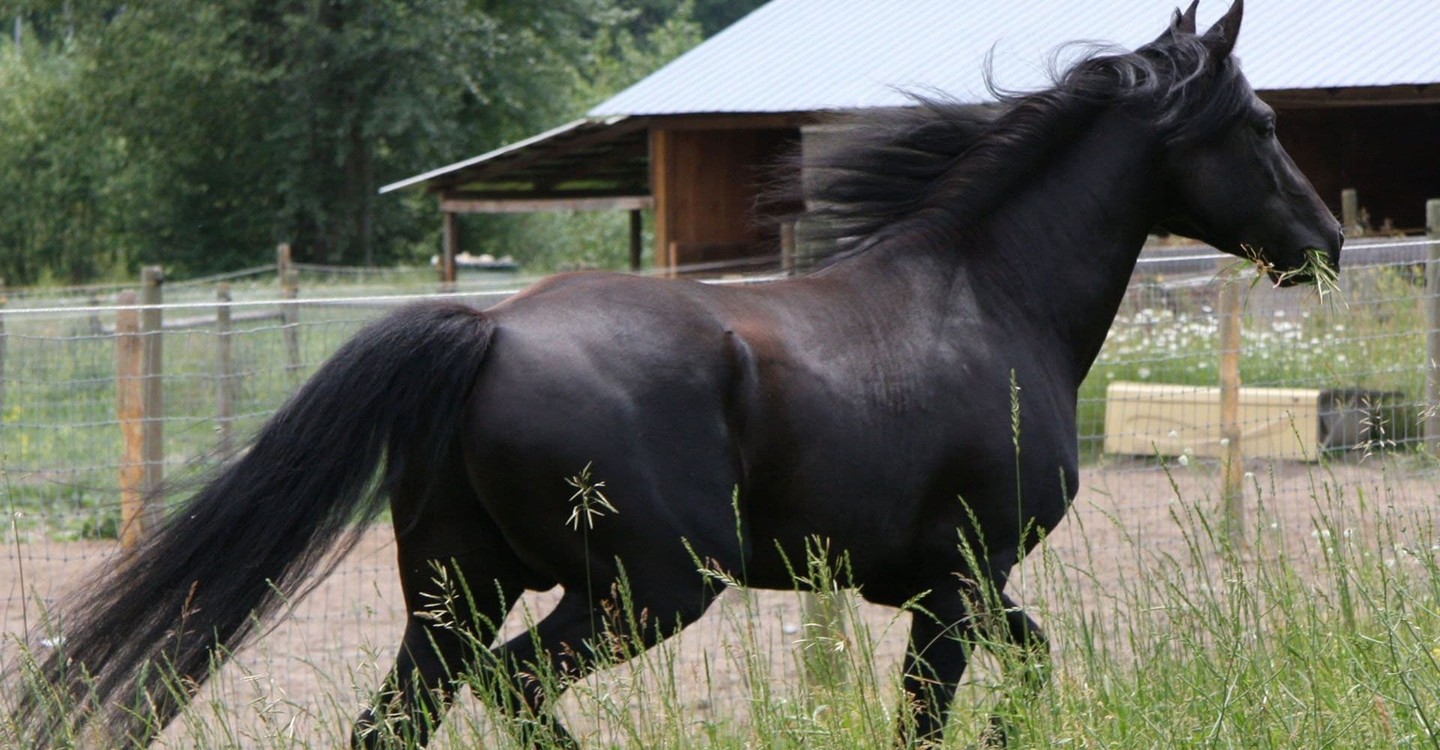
[[60, 444]]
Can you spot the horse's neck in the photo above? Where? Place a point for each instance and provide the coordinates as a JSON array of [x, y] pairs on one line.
[[1061, 250], [1047, 268]]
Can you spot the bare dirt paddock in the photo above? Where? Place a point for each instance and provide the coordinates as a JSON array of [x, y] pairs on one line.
[[315, 669]]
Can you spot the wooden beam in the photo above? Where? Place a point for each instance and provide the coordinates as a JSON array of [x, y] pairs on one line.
[[520, 205], [735, 122], [557, 147], [662, 185], [1359, 96], [587, 168]]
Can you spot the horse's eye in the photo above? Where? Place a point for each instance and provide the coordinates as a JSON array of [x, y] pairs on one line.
[[1265, 128]]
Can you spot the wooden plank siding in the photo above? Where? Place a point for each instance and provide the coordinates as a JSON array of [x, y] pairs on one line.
[[1375, 150], [707, 183]]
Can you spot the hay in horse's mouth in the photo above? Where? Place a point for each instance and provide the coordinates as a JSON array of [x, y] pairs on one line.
[[1315, 269]]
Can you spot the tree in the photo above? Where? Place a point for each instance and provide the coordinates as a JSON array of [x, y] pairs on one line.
[[198, 133]]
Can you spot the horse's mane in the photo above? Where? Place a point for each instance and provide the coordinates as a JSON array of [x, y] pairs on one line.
[[940, 165]]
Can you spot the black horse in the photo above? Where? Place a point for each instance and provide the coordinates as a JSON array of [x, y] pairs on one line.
[[868, 404]]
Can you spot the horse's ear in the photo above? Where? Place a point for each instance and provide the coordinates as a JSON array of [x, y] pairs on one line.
[[1181, 24], [1184, 23], [1221, 37]]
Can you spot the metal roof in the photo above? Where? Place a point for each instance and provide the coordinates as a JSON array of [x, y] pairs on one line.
[[807, 55]]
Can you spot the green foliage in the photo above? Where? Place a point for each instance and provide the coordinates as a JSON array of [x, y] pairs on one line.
[[617, 55], [198, 134]]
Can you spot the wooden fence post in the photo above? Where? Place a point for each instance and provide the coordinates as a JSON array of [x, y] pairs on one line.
[[225, 361], [129, 397], [1232, 456], [152, 327], [96, 327], [1432, 329], [787, 247], [4, 299], [289, 309], [1350, 213]]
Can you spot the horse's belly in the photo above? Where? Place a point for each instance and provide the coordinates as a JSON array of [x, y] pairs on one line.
[[856, 540]]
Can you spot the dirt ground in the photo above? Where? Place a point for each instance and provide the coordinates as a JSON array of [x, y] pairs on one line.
[[316, 667]]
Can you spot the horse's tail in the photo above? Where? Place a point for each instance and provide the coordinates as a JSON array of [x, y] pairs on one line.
[[138, 642]]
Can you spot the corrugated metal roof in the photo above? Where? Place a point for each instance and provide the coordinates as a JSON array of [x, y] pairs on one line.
[[805, 55]]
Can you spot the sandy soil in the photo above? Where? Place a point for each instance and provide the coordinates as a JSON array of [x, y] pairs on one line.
[[315, 668]]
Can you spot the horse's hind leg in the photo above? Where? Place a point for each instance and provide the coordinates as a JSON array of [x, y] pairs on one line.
[[582, 634], [459, 580], [943, 630]]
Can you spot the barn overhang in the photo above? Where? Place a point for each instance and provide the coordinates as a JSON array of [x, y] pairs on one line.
[[587, 164], [624, 163]]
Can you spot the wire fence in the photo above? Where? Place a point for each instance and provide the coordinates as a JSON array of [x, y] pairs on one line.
[[1335, 383]]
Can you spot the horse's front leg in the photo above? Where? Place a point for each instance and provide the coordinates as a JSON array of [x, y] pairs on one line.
[[1031, 658], [941, 636]]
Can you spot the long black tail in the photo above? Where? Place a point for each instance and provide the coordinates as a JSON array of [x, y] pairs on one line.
[[139, 641]]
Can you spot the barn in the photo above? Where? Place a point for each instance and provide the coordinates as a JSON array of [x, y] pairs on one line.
[[692, 146]]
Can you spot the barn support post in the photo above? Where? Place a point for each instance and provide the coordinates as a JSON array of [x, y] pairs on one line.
[[637, 225], [1432, 328], [152, 326], [225, 362], [130, 408], [1232, 459], [289, 308], [450, 249]]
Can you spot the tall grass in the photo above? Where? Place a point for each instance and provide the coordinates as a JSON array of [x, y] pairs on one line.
[[1326, 636]]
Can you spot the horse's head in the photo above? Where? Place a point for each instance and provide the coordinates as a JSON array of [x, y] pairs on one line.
[[1228, 180]]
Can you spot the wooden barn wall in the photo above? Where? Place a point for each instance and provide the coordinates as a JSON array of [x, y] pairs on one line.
[[1389, 154], [706, 182]]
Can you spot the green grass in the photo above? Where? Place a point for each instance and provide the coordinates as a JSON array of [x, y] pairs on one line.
[[1327, 639], [60, 438], [1323, 639]]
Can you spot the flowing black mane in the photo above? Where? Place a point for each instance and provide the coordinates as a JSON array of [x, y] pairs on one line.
[[940, 165]]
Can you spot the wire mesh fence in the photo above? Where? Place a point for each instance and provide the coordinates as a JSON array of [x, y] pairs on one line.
[[1334, 383]]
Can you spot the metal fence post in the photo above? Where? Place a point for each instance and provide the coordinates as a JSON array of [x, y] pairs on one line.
[[4, 299], [152, 334], [1432, 329], [225, 361]]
